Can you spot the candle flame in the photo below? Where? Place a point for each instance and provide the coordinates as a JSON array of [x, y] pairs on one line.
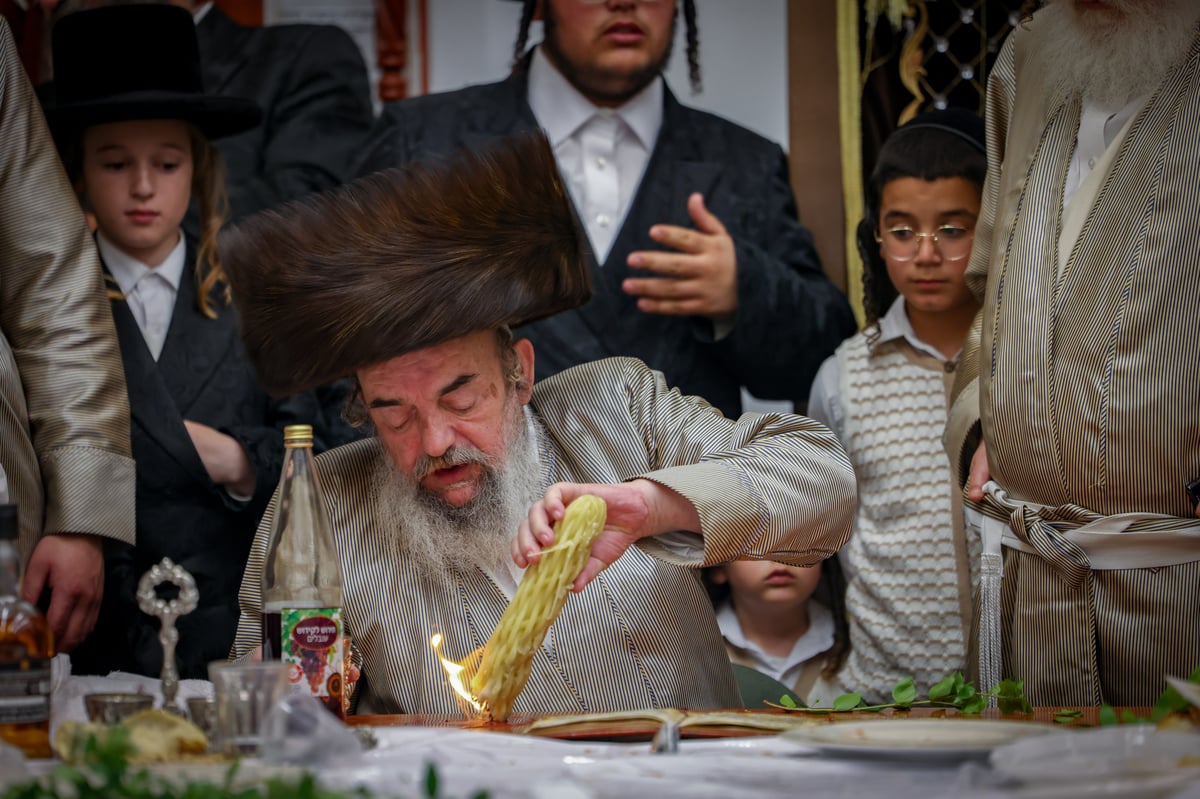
[[457, 677]]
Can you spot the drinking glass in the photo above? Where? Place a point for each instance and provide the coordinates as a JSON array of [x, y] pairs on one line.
[[245, 693]]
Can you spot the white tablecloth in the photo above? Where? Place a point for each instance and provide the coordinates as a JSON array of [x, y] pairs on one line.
[[67, 690], [511, 766]]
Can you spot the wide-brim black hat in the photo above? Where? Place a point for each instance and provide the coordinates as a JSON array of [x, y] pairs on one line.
[[122, 63], [405, 259]]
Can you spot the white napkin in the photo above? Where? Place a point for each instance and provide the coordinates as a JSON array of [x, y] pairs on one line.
[[67, 692]]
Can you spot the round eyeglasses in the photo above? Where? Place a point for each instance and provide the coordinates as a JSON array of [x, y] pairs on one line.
[[904, 243]]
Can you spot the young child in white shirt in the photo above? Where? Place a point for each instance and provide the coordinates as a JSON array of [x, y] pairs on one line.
[[773, 623]]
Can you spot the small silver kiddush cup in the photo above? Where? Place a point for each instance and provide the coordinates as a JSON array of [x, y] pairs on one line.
[[167, 611]]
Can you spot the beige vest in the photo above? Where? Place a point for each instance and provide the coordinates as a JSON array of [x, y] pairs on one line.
[[908, 575]]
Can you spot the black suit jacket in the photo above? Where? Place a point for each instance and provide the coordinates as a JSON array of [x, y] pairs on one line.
[[202, 375], [312, 85], [789, 318]]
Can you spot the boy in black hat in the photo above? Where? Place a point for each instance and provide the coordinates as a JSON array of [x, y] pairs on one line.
[[134, 125]]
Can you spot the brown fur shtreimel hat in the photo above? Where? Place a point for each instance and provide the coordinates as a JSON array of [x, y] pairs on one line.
[[404, 259]]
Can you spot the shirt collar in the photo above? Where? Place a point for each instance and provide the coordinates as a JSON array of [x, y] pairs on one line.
[[560, 108], [895, 324], [127, 271], [818, 639]]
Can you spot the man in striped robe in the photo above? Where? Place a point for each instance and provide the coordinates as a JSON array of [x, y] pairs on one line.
[[436, 515], [1084, 379]]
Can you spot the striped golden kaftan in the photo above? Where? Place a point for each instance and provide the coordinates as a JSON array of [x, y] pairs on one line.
[[1088, 376], [643, 634], [64, 413]]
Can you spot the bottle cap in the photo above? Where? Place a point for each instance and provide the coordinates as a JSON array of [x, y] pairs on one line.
[[8, 523], [298, 435]]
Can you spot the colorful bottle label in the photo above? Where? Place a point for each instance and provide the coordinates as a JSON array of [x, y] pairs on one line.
[[311, 643], [24, 687]]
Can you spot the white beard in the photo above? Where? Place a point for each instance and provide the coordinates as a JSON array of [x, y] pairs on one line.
[[1114, 58], [436, 537]]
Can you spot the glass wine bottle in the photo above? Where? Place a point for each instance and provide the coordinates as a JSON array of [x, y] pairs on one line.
[[26, 648], [302, 583]]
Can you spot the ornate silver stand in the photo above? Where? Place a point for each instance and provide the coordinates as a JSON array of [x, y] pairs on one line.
[[166, 571]]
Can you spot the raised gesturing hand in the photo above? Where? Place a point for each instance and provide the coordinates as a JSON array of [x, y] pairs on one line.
[[698, 279]]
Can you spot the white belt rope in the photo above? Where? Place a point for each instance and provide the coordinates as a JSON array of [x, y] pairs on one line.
[[1108, 542]]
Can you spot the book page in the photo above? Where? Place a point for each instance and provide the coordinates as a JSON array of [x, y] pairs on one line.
[[599, 723]]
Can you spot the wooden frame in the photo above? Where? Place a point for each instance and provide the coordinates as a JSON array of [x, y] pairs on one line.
[[243, 12], [392, 40], [814, 142]]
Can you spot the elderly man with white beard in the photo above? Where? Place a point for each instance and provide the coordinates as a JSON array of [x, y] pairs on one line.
[[1083, 378], [410, 281]]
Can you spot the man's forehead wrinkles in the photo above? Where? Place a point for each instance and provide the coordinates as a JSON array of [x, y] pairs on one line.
[[458, 383], [395, 402]]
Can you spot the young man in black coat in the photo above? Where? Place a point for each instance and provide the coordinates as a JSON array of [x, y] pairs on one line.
[[312, 86], [699, 264]]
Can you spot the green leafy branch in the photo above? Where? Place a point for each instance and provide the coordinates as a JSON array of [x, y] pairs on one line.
[[951, 692], [955, 692], [1169, 702], [104, 772]]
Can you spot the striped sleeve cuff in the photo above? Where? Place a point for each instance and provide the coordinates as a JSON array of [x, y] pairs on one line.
[[731, 516], [89, 490]]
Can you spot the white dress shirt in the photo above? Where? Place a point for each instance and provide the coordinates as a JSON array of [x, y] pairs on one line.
[[786, 669], [1101, 131], [149, 292], [1099, 128], [602, 153]]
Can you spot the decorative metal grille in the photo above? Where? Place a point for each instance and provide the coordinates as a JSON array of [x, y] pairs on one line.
[[941, 55], [959, 40]]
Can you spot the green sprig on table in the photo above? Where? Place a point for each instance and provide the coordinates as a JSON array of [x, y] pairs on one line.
[[952, 692], [1169, 701], [105, 772], [955, 692]]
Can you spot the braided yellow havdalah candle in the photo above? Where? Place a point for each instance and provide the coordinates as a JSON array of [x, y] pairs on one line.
[[508, 654]]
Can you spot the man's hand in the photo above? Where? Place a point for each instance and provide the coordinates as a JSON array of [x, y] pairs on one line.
[[636, 509], [980, 473], [72, 567], [223, 457], [698, 280]]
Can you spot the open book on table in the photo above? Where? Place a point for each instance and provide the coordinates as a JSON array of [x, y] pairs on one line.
[[641, 723]]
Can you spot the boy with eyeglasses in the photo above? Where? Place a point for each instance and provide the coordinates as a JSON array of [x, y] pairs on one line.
[[884, 393]]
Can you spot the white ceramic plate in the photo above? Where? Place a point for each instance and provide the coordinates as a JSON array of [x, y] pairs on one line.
[[1109, 752], [915, 739]]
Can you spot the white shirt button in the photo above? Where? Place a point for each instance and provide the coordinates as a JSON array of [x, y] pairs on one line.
[[602, 220], [1091, 163], [600, 162]]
